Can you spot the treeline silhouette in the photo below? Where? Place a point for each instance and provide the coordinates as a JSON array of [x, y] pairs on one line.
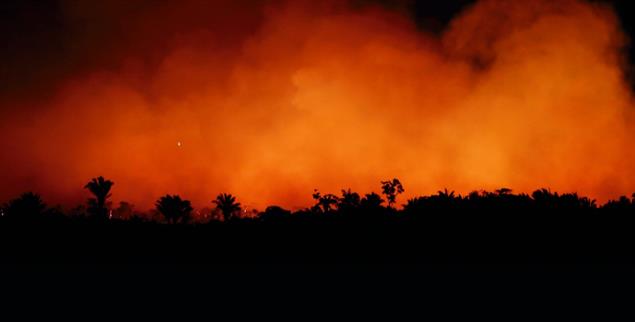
[[483, 230]]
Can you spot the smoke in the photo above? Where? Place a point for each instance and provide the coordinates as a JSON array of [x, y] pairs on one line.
[[273, 99]]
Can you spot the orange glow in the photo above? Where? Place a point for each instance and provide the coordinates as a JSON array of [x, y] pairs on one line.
[[518, 94]]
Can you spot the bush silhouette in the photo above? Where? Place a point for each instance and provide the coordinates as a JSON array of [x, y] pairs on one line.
[[28, 205], [275, 213], [125, 211]]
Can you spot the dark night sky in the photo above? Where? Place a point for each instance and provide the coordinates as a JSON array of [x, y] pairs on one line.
[[40, 44]]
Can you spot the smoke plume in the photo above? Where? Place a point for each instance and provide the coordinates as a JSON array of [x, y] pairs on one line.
[[269, 100]]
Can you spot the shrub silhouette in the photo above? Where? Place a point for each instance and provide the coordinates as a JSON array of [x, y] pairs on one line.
[[100, 188], [28, 205], [227, 205], [124, 211], [274, 213], [174, 209]]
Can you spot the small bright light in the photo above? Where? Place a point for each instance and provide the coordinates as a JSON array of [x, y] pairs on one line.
[[178, 144]]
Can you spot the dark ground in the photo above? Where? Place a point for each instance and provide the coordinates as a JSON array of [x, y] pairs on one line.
[[436, 240]]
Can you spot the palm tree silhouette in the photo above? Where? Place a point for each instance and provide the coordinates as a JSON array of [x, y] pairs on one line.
[[100, 188], [227, 204], [173, 208]]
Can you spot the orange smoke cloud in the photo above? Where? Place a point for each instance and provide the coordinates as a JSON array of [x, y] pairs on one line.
[[271, 103]]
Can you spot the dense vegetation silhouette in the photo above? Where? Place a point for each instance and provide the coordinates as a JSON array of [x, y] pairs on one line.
[[482, 230]]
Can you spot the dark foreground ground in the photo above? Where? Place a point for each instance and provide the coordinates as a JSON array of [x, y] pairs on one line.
[[443, 240]]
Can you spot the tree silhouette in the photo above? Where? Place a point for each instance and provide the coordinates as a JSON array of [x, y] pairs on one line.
[[174, 209], [349, 200], [325, 202], [100, 188], [371, 201], [28, 205], [391, 189], [227, 204], [316, 196], [503, 191]]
